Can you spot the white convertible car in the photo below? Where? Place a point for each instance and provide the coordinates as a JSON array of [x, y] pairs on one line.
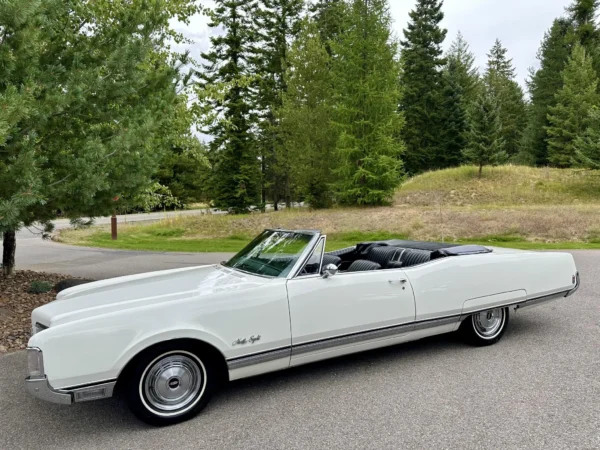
[[166, 340]]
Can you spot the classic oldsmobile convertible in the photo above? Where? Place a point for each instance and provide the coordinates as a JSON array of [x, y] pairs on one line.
[[166, 340]]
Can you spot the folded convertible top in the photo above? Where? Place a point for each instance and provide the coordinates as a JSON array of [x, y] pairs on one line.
[[459, 251]]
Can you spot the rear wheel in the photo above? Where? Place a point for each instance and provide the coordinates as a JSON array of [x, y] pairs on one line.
[[485, 327], [170, 384]]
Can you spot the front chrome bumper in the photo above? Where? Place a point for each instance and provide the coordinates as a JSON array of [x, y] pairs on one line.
[[40, 388]]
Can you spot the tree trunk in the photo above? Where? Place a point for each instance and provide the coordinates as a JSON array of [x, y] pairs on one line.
[[480, 169], [8, 254]]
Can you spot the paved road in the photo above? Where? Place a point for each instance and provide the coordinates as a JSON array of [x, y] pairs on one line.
[[539, 388], [59, 224], [96, 263], [33, 253]]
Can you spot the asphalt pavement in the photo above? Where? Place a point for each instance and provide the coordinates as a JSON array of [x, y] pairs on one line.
[[538, 388], [33, 253]]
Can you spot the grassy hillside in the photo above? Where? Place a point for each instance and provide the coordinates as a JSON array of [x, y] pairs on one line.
[[502, 186], [510, 206]]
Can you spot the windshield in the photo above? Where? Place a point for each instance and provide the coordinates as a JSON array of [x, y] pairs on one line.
[[272, 253]]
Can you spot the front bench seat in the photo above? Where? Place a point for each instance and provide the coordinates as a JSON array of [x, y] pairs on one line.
[[362, 265], [331, 259]]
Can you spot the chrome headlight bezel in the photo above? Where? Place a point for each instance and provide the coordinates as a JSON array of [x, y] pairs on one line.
[[35, 363]]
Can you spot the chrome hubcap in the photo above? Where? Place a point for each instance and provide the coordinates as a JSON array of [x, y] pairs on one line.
[[173, 383], [488, 324]]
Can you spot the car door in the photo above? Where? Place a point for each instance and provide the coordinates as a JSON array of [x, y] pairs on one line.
[[347, 312]]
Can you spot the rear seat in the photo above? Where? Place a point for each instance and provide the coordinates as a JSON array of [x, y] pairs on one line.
[[415, 257], [395, 257]]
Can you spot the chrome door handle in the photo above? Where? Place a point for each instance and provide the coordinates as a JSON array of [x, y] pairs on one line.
[[399, 281]]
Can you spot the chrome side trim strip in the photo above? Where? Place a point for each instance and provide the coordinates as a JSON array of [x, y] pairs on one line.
[[542, 299], [323, 344], [259, 358], [369, 335]]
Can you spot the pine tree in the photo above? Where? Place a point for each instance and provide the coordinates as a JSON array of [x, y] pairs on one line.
[[587, 145], [509, 97], [570, 118], [543, 86], [278, 22], [498, 64], [329, 16], [365, 74], [309, 138], [583, 14], [422, 87], [461, 62], [235, 179], [454, 122], [486, 146]]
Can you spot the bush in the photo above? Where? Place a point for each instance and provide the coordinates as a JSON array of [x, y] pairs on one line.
[[39, 287]]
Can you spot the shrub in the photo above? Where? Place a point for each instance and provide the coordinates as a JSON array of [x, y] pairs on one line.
[[39, 287]]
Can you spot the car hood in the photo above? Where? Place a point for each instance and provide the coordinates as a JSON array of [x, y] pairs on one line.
[[136, 291]]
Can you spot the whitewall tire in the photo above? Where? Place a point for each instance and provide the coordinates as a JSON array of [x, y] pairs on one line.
[[485, 327], [170, 383]]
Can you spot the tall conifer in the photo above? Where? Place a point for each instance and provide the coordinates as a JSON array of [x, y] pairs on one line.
[[422, 87], [512, 115], [365, 73], [570, 118], [235, 180], [543, 86]]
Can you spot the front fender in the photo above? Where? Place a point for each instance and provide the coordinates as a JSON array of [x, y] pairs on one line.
[[167, 335]]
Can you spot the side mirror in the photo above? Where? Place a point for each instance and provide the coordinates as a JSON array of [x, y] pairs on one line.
[[329, 270]]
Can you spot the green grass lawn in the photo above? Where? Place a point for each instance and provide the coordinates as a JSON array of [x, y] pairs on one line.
[[161, 243], [510, 206]]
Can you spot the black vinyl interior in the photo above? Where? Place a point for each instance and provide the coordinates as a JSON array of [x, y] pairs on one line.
[[394, 254]]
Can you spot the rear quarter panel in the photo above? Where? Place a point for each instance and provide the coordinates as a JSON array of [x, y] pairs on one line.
[[442, 287]]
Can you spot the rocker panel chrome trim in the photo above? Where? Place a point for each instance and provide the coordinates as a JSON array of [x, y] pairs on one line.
[[259, 358]]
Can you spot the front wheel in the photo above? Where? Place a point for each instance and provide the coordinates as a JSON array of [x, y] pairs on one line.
[[170, 384], [485, 327]]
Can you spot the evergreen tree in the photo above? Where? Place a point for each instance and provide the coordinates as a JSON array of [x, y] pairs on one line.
[[486, 146], [278, 22], [587, 145], [583, 14], [235, 179], [509, 98], [329, 16], [309, 138], [454, 120], [461, 62], [570, 118], [422, 87], [88, 92], [498, 64], [365, 74], [543, 86]]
